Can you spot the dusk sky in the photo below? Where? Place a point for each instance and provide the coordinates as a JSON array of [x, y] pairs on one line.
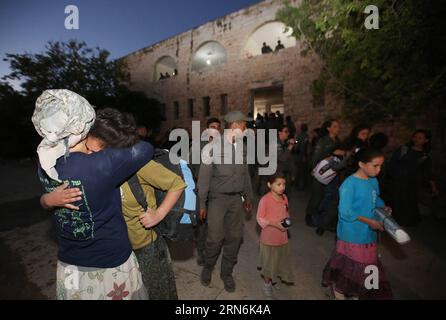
[[118, 26]]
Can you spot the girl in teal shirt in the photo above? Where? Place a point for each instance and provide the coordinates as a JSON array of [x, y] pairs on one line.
[[348, 272]]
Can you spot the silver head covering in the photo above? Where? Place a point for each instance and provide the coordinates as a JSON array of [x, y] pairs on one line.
[[62, 118]]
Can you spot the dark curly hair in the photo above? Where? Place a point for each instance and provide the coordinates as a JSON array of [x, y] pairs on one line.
[[353, 141], [327, 124], [366, 155], [115, 129], [274, 177]]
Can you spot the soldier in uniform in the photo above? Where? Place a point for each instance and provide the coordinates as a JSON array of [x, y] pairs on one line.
[[225, 187]]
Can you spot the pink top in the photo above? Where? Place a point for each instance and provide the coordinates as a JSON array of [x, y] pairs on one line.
[[272, 210]]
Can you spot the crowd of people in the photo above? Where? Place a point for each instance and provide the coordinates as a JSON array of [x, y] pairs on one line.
[[106, 237]]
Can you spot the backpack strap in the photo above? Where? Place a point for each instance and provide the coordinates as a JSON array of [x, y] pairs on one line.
[[138, 192], [159, 153]]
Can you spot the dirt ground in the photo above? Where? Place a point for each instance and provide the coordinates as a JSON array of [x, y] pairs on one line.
[[28, 252]]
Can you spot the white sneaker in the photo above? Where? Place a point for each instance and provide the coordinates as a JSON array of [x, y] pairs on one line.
[[268, 290]]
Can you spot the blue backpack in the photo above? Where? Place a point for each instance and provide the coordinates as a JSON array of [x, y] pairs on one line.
[[179, 223]]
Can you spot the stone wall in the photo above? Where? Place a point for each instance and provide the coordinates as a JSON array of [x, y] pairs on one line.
[[236, 78], [239, 75]]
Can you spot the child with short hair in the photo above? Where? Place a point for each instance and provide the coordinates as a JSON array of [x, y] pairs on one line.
[[273, 217], [356, 251]]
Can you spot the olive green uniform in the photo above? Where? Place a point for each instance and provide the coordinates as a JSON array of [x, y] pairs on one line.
[[220, 186]]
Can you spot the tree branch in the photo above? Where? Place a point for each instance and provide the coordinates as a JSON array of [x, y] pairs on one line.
[[342, 85]]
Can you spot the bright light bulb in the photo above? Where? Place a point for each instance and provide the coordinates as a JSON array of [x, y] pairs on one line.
[[208, 62]]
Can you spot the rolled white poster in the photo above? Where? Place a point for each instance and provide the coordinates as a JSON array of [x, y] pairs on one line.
[[391, 226]]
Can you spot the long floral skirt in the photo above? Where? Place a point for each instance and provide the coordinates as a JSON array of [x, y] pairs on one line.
[[350, 271], [83, 283]]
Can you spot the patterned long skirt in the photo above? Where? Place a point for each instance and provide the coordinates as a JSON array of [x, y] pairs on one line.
[[355, 270], [157, 271], [82, 283]]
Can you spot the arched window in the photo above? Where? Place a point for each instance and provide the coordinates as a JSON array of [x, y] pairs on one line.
[[166, 67], [209, 54], [265, 39]]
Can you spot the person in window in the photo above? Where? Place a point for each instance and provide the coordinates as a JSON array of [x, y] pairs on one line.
[[279, 46], [266, 49]]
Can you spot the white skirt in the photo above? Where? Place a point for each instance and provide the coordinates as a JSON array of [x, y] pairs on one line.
[[83, 283]]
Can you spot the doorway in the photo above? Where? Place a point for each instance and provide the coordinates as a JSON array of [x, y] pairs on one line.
[[267, 100]]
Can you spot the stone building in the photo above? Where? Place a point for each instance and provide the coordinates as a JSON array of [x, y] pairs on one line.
[[219, 66]]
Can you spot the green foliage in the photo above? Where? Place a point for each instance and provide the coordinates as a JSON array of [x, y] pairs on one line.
[[73, 66], [147, 111], [394, 72]]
